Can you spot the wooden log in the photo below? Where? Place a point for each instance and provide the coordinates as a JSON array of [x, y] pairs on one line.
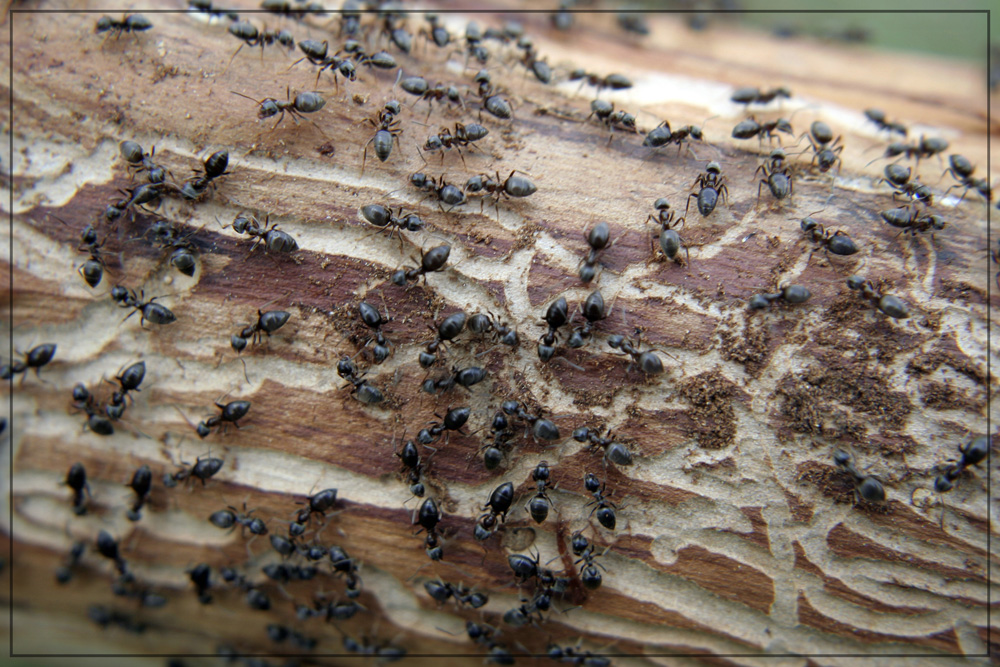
[[737, 537]]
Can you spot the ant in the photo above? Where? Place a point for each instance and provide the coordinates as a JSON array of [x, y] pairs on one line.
[[540, 504], [605, 112], [442, 591], [96, 422], [750, 95], [453, 420], [128, 380], [449, 328], [387, 130], [590, 575], [318, 503], [473, 44], [409, 456], [267, 323], [824, 154], [464, 135], [514, 186], [306, 102], [382, 652], [670, 240], [76, 479], [575, 656], [712, 185], [373, 319], [839, 243], [64, 573], [139, 161], [249, 35], [877, 116], [214, 166], [182, 252], [593, 312], [907, 218], [482, 324], [492, 102], [132, 23], [886, 303], [315, 53], [613, 451], [539, 67], [363, 391], [107, 546], [142, 482], [612, 81], [542, 429], [661, 135], [465, 377], [200, 576], [972, 454], [556, 316], [597, 239], [899, 178], [777, 176], [961, 170], [417, 85], [92, 270], [866, 487], [648, 361], [604, 508], [229, 517], [37, 357], [500, 432], [435, 31], [750, 128], [446, 193], [382, 216], [498, 505], [790, 294], [428, 516], [148, 310], [205, 7], [230, 412], [925, 148], [271, 237], [433, 260]]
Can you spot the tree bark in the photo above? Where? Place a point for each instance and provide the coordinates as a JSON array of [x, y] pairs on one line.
[[737, 536]]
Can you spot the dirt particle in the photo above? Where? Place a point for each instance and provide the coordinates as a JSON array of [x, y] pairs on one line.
[[711, 395]]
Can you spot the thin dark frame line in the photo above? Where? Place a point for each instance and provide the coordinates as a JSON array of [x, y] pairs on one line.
[[491, 12]]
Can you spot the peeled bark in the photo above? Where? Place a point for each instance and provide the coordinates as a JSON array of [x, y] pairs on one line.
[[737, 536]]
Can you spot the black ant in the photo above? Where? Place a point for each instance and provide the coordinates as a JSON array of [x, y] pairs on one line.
[[648, 361], [777, 175], [96, 421], [230, 517], [64, 573], [749, 95], [148, 310], [661, 135], [387, 130], [750, 128], [182, 251], [267, 323], [204, 468], [37, 357], [972, 454], [886, 303], [913, 220], [482, 324], [498, 505], [542, 429], [529, 58], [382, 652], [825, 155], [604, 508], [107, 546], [230, 412], [612, 81], [92, 270], [445, 192], [200, 576], [712, 185], [428, 516], [413, 466], [615, 452], [464, 377], [247, 33], [270, 236], [925, 148], [473, 44], [540, 504], [373, 319], [790, 294], [417, 85], [556, 316], [670, 240], [142, 482], [597, 239], [453, 420], [205, 7], [214, 167], [435, 32], [574, 656], [128, 380], [132, 23], [839, 243], [513, 186], [382, 216], [593, 312], [877, 116], [363, 391], [306, 102], [464, 135], [899, 178], [961, 169], [866, 487], [76, 479], [590, 575], [605, 112], [315, 52], [139, 161], [492, 102], [433, 260], [318, 503], [442, 591], [501, 434]]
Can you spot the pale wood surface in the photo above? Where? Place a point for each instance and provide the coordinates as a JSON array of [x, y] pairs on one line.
[[736, 534]]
